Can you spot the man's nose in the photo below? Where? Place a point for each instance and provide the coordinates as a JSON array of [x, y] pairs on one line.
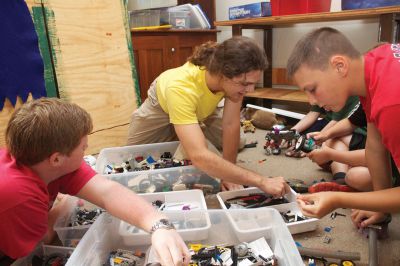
[[250, 88]]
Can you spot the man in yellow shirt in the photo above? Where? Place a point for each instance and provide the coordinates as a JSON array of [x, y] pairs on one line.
[[183, 99]]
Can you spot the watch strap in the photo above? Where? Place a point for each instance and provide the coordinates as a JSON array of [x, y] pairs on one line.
[[162, 224]]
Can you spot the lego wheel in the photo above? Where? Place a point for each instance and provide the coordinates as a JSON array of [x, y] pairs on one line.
[[300, 143]]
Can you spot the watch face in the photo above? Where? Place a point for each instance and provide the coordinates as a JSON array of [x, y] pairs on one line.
[[162, 224]]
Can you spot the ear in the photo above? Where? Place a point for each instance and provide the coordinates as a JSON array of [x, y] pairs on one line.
[[340, 64], [56, 159]]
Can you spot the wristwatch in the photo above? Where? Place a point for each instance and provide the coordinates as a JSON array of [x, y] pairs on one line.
[[162, 224]]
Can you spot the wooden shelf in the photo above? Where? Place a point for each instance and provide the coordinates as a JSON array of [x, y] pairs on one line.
[[168, 31], [292, 95], [389, 31], [311, 17]]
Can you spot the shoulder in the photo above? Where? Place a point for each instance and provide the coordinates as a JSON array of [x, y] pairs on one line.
[[72, 182]]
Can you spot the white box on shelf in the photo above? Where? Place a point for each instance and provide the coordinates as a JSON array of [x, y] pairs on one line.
[[145, 4], [309, 224], [103, 237]]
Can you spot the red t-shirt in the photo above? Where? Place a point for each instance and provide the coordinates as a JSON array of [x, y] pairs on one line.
[[382, 102], [25, 201]]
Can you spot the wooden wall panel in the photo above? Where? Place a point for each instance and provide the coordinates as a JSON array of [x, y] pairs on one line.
[[93, 62], [93, 57]]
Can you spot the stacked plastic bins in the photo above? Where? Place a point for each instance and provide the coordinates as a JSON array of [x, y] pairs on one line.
[[179, 177], [225, 227], [43, 254], [289, 208]]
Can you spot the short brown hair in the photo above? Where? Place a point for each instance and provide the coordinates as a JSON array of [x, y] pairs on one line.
[[316, 48], [233, 57], [44, 126]]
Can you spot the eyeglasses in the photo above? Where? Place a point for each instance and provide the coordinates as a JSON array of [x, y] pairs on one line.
[[241, 83]]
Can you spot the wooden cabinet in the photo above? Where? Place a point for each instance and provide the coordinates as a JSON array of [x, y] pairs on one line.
[[157, 51]]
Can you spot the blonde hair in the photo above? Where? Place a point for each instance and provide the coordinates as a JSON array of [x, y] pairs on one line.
[[44, 126]]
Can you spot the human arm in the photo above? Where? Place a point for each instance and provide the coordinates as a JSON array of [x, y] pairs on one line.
[[326, 154], [126, 205], [230, 137], [306, 121], [341, 128], [378, 158], [194, 143], [320, 204]]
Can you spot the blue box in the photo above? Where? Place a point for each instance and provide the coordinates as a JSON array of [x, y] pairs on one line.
[[360, 4], [261, 9]]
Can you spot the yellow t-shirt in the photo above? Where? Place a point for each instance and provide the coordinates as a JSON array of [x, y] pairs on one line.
[[183, 94]]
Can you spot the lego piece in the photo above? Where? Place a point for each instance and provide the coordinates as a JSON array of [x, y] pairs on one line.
[[327, 240]]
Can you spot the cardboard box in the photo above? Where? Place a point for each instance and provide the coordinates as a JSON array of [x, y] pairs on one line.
[[262, 9]]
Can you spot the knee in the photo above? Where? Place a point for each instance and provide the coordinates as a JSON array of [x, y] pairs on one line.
[[359, 178]]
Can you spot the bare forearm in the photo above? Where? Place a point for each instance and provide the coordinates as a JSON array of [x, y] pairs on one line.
[[339, 129], [306, 122], [328, 126], [120, 202], [387, 200], [377, 159], [352, 158], [216, 166], [231, 137]]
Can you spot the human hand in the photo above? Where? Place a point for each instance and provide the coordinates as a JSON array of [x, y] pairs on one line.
[[276, 186], [170, 248], [318, 136], [321, 156], [317, 204], [362, 219], [226, 186]]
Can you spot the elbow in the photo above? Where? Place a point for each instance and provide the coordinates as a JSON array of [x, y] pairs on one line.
[[198, 158]]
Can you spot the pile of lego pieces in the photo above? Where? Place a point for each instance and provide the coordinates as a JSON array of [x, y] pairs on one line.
[[84, 217], [254, 200], [257, 252], [57, 259], [149, 183], [139, 163], [122, 257]]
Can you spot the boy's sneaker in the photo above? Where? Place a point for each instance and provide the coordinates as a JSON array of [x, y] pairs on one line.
[[329, 186]]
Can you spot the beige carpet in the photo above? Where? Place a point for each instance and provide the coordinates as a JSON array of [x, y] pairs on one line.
[[344, 236]]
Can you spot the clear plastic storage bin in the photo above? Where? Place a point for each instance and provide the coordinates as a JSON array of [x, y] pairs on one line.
[[155, 180], [167, 179], [70, 235], [174, 201], [118, 155], [103, 237], [144, 18], [309, 224], [179, 19], [43, 251]]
